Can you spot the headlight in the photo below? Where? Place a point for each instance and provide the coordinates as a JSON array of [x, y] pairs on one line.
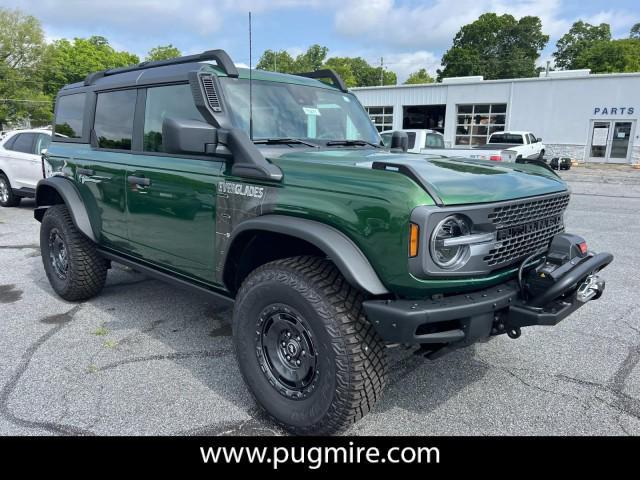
[[451, 256]]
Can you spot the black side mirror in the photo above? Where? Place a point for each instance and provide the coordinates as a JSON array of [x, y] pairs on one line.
[[399, 141], [192, 137], [539, 140]]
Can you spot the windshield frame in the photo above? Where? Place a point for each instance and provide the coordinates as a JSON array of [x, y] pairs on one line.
[[355, 114]]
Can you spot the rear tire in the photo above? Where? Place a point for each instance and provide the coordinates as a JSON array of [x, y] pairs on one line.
[[7, 197], [300, 305], [73, 266]]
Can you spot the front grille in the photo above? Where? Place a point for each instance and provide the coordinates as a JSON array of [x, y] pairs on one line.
[[525, 227], [519, 213]]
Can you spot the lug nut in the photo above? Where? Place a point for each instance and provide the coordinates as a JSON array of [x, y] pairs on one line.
[[288, 357], [297, 362], [303, 352], [298, 338]]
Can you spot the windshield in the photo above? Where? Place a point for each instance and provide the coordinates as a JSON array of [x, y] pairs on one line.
[[505, 138], [283, 110]]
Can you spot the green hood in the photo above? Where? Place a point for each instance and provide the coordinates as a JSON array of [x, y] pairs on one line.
[[456, 181]]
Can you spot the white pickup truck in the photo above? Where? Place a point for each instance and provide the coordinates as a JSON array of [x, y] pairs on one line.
[[509, 146]]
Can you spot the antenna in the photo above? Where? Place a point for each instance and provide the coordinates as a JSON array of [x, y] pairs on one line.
[[250, 85]]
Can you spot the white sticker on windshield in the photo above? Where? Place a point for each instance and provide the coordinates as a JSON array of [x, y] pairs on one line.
[[311, 111]]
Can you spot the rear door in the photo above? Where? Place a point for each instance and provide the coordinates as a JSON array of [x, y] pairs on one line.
[[171, 198], [24, 165]]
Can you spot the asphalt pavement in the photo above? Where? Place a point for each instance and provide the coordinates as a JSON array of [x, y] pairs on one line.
[[144, 358]]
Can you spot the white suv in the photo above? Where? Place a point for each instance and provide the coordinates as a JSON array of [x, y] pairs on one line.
[[20, 164]]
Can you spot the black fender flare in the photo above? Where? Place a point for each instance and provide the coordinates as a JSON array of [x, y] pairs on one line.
[[72, 199], [339, 248]]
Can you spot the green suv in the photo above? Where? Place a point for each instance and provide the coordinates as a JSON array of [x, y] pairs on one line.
[[274, 192]]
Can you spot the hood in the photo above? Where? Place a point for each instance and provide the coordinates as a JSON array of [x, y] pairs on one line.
[[455, 181]]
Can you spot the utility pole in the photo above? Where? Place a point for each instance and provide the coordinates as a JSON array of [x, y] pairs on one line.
[[546, 72], [381, 71], [275, 61]]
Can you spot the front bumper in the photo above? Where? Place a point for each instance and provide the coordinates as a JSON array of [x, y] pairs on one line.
[[460, 320]]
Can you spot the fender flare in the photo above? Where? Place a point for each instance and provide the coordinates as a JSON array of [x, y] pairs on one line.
[[72, 199], [339, 248]]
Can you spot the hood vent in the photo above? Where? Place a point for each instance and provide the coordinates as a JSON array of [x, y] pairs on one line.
[[210, 93]]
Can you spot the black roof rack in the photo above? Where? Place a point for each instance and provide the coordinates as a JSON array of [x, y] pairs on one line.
[[329, 73], [220, 56]]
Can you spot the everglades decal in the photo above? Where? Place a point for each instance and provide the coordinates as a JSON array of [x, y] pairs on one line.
[[233, 188]]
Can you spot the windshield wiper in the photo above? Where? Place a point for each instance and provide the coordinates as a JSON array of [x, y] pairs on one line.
[[353, 143], [282, 141]]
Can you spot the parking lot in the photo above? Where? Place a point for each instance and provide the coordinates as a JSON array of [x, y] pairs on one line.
[[144, 358]]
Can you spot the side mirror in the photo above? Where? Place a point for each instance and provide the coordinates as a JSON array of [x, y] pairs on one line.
[[539, 140], [188, 136], [399, 141]]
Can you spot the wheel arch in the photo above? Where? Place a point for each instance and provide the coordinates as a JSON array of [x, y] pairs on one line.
[[293, 236], [59, 190]]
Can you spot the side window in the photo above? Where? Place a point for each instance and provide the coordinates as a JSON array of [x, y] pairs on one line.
[[70, 115], [8, 145], [113, 123], [42, 142], [532, 138], [174, 101], [24, 143]]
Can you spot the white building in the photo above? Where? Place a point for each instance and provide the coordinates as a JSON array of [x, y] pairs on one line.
[[587, 117]]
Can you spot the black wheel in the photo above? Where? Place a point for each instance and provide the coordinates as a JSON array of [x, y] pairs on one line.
[[7, 197], [305, 348], [74, 268]]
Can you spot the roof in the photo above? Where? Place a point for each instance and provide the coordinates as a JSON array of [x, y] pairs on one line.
[[472, 81], [180, 72]]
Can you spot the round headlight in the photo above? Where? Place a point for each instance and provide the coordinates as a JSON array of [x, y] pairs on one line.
[[453, 256]]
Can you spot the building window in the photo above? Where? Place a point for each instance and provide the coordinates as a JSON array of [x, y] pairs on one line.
[[475, 123], [382, 117]]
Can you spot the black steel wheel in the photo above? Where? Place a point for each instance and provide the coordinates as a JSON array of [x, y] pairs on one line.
[[305, 349]]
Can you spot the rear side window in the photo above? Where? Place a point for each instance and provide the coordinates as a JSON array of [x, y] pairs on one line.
[[174, 101], [70, 115], [113, 124], [8, 145], [434, 140], [42, 142], [24, 143]]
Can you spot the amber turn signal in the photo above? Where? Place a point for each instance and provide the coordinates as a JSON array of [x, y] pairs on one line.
[[414, 234]]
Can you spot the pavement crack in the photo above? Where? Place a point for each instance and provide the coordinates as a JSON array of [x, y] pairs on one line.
[[14, 380], [168, 356]]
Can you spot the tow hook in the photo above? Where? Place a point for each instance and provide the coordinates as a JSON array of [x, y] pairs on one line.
[[514, 332], [590, 289]]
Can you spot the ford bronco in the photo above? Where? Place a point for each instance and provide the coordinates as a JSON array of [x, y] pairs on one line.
[[275, 193]]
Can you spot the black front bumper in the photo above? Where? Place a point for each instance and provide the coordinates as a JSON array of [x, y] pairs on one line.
[[460, 320]]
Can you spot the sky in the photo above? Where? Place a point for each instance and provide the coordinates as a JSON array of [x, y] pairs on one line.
[[408, 34]]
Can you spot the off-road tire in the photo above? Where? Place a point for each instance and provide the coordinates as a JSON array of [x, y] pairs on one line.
[[350, 354], [86, 270], [12, 200]]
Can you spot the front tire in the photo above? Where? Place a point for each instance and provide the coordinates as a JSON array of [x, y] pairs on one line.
[[73, 266], [7, 197], [304, 347]]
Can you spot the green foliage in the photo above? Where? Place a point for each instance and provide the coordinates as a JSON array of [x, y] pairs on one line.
[[421, 76], [635, 32], [162, 52], [495, 46], [67, 61], [611, 56], [580, 37], [21, 45], [356, 72]]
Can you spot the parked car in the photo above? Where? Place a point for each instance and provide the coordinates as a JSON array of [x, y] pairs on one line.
[[329, 246], [418, 140], [511, 146], [21, 164]]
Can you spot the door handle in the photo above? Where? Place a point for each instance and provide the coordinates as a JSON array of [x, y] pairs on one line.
[[84, 171], [142, 181]]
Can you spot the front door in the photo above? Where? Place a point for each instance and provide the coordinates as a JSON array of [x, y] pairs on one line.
[[610, 140]]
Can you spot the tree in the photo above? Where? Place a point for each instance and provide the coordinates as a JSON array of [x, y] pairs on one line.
[[635, 32], [611, 56], [357, 72], [274, 61], [580, 37], [21, 45], [495, 46], [421, 76], [162, 52], [67, 61]]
